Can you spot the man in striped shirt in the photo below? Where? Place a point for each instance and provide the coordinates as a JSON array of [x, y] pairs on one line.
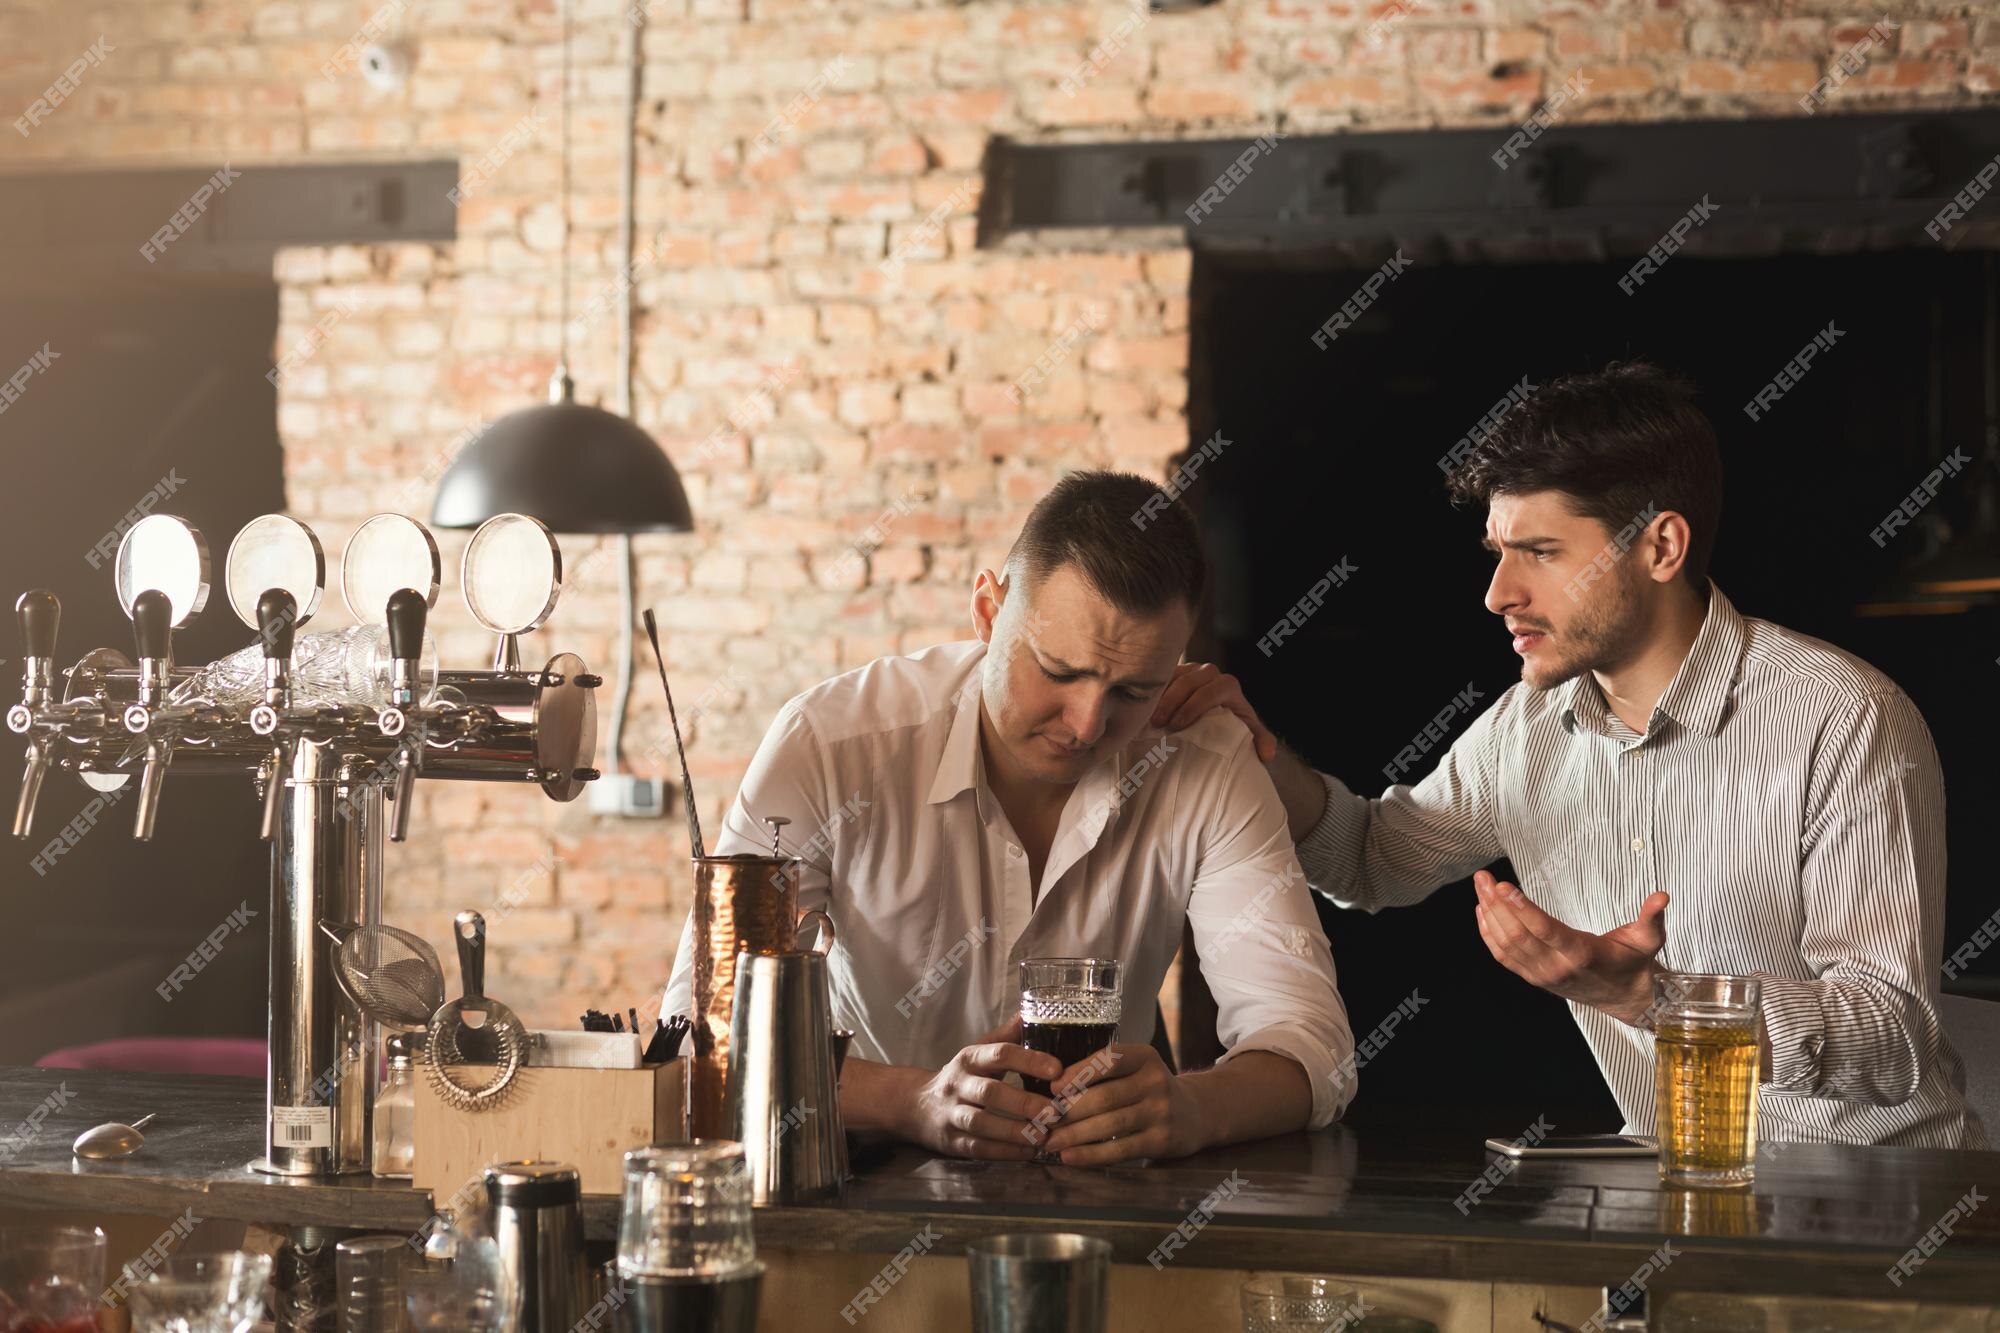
[[1661, 747]]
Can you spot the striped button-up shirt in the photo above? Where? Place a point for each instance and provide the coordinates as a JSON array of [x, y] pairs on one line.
[[1785, 793]]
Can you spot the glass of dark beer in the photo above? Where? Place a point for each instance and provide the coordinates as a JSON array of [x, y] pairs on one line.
[[1069, 1009]]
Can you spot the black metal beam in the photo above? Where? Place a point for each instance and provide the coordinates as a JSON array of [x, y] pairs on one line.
[[1824, 171], [90, 227]]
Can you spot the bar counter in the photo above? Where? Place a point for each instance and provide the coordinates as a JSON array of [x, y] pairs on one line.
[[1824, 1221]]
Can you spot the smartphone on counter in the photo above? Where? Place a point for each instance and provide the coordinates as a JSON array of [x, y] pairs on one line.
[[1580, 1145]]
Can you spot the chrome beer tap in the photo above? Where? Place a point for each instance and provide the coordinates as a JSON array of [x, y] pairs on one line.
[[41, 616], [401, 720], [277, 617], [153, 635], [331, 726]]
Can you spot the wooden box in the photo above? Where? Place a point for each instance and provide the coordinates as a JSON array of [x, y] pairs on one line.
[[585, 1118]]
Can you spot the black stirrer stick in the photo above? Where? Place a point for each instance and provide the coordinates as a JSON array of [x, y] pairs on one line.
[[687, 788]]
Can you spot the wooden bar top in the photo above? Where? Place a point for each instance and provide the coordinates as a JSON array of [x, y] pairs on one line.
[[1823, 1220]]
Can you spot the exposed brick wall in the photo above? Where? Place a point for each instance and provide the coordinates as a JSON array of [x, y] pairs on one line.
[[862, 399]]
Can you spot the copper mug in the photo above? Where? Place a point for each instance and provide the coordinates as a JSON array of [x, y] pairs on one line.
[[742, 902]]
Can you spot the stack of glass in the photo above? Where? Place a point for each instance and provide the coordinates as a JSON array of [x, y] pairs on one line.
[[687, 1258]]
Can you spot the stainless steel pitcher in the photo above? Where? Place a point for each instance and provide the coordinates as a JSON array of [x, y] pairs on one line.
[[782, 1099]]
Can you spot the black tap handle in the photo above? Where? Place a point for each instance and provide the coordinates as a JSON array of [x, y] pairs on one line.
[[406, 623], [40, 614], [277, 614], [153, 623]]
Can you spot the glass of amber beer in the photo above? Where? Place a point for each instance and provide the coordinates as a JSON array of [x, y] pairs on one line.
[[1705, 1077]]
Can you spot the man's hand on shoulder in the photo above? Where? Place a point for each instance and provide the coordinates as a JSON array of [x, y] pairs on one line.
[[1198, 689]]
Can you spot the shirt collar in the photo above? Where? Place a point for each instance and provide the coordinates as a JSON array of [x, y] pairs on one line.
[[1698, 695], [1102, 788], [958, 766]]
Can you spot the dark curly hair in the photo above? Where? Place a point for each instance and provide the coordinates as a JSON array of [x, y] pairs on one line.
[[1611, 441]]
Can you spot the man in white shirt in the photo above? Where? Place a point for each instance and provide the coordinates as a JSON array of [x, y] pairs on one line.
[[978, 803]]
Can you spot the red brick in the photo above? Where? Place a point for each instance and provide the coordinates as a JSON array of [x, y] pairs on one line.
[[517, 374], [1571, 41], [1923, 37], [1482, 89], [1011, 443], [1510, 44], [905, 443], [971, 107], [1099, 103], [1613, 81], [900, 155], [1903, 75], [1344, 92], [1111, 353], [1204, 101], [990, 399], [896, 564], [1779, 76]]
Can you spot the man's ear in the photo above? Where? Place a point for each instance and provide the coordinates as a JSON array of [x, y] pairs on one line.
[[1667, 539], [989, 594]]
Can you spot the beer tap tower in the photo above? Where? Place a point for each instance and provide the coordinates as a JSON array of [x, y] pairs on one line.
[[334, 745]]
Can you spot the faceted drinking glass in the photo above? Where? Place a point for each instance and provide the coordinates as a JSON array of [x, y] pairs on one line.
[[1705, 1077], [686, 1211]]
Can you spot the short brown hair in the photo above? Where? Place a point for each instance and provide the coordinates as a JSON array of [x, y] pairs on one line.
[[1134, 542], [1613, 441]]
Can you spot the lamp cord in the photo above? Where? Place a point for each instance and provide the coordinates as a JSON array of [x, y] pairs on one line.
[[562, 330]]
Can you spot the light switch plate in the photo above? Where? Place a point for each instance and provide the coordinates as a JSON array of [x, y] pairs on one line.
[[629, 796]]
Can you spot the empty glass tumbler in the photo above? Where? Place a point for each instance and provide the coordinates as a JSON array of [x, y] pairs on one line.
[[686, 1211]]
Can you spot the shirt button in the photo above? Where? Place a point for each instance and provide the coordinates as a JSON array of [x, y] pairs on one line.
[[1013, 850], [1638, 844]]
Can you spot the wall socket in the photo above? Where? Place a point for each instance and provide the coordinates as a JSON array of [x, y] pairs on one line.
[[629, 796]]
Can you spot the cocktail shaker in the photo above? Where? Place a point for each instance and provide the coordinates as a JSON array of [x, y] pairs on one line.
[[533, 1210]]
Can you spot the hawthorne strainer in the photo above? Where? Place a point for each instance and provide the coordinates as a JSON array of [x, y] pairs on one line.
[[473, 1031]]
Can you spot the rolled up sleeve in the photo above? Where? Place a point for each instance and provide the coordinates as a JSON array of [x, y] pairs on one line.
[[1263, 952], [1864, 1026]]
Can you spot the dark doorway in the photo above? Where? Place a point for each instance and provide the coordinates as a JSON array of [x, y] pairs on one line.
[[1334, 453], [157, 393]]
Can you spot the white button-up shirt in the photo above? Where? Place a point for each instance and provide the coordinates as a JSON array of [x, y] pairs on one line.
[[880, 773]]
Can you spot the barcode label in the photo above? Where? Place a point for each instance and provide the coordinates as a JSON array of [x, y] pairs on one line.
[[302, 1126]]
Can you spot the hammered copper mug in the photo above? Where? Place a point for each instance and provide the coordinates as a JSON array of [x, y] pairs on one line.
[[741, 902]]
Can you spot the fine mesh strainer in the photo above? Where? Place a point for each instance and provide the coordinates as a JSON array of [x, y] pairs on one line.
[[392, 975]]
